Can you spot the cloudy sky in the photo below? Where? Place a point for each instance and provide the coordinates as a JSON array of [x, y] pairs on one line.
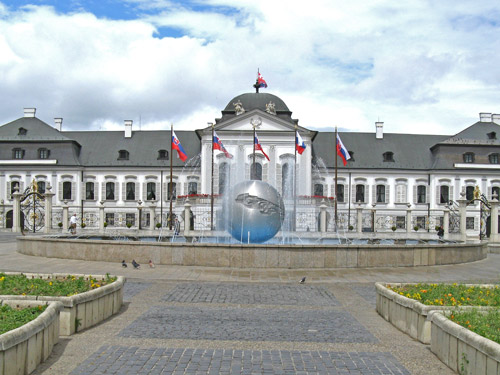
[[420, 66]]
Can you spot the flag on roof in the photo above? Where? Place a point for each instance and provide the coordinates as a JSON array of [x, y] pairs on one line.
[[300, 146], [342, 151], [260, 81], [219, 146], [259, 147], [176, 145]]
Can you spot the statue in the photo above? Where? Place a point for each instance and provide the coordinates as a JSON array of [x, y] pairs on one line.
[[271, 108], [477, 193], [238, 107]]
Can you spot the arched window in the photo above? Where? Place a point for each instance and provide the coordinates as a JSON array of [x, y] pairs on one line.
[[41, 187], [421, 194], [162, 155], [340, 193], [256, 172], [360, 193], [223, 177], [380, 193], [130, 191], [192, 187], [287, 180], [172, 193], [388, 156], [469, 193], [123, 155], [444, 194], [89, 190], [318, 190]]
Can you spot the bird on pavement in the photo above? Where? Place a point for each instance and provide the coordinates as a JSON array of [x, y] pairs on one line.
[[135, 264], [303, 280], [124, 265]]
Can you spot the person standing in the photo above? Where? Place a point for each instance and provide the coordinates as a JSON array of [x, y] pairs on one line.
[[72, 224]]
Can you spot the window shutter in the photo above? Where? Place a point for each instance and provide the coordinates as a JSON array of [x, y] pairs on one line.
[[415, 198], [216, 180], [332, 190], [279, 178], [83, 192], [427, 194], [124, 191], [387, 193], [374, 193], [144, 191], [185, 188], [157, 191], [353, 193], [165, 190], [103, 191], [490, 193], [265, 172], [9, 196], [438, 192], [73, 191], [451, 197], [60, 190]]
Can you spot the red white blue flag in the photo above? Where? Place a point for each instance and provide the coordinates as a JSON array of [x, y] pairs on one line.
[[342, 151], [176, 145], [259, 147], [300, 146], [219, 146], [260, 81]]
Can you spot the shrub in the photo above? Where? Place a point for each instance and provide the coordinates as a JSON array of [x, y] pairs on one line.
[[351, 227], [416, 228], [158, 225], [105, 224], [129, 225], [60, 224], [393, 228], [84, 225]]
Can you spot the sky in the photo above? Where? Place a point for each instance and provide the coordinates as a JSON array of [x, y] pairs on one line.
[[424, 67]]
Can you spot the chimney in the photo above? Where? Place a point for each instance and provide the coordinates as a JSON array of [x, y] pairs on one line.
[[29, 112], [58, 123], [379, 134], [485, 117], [128, 128], [496, 118]]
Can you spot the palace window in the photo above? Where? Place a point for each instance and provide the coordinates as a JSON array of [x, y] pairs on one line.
[[493, 158], [110, 218], [43, 153], [351, 154], [89, 190], [380, 194], [22, 131], [172, 191], [151, 191], [162, 155], [495, 190], [421, 194], [130, 191], [256, 171], [469, 157], [287, 180], [15, 186], [360, 193], [223, 177], [123, 155], [192, 187], [401, 193], [469, 193], [18, 153], [340, 193], [469, 223], [318, 190], [388, 156], [41, 187], [444, 194], [492, 135], [66, 186], [110, 191]]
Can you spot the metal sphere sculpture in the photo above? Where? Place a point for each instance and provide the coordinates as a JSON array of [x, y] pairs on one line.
[[255, 211]]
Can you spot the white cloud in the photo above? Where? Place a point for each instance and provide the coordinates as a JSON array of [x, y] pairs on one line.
[[419, 66]]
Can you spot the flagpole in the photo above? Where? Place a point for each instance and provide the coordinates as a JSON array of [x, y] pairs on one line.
[[295, 180], [212, 184], [171, 177], [336, 148], [254, 166]]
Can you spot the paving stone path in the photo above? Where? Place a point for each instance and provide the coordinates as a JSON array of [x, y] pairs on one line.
[[186, 320]]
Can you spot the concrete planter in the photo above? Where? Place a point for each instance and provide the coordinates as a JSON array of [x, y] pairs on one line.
[[23, 348], [406, 314], [462, 350], [83, 310]]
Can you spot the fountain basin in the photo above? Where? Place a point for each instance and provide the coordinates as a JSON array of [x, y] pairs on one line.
[[290, 256]]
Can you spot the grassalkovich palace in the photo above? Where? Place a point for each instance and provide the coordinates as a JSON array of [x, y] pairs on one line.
[[392, 182]]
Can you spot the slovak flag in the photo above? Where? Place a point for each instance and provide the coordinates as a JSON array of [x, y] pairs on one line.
[[342, 151], [260, 81], [300, 146], [259, 147], [219, 146], [176, 145]]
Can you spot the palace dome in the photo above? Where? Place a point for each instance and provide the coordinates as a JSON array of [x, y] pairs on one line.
[[251, 101]]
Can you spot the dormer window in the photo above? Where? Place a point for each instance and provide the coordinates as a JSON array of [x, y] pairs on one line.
[[388, 156], [43, 153], [469, 157], [162, 155], [123, 155], [18, 153], [22, 131], [351, 154], [492, 135], [493, 158]]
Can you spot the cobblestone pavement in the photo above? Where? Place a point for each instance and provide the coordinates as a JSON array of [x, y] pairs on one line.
[[186, 320]]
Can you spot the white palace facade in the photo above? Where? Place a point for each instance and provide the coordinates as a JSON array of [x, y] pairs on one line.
[[394, 181]]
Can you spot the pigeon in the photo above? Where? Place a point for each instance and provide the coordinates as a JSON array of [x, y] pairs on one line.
[[124, 265], [151, 264], [135, 264], [303, 280]]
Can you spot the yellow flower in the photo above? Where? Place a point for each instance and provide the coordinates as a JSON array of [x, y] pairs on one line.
[[50, 283]]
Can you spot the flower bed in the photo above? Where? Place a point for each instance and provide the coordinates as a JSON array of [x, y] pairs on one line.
[[461, 349], [410, 315], [82, 310], [23, 348]]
